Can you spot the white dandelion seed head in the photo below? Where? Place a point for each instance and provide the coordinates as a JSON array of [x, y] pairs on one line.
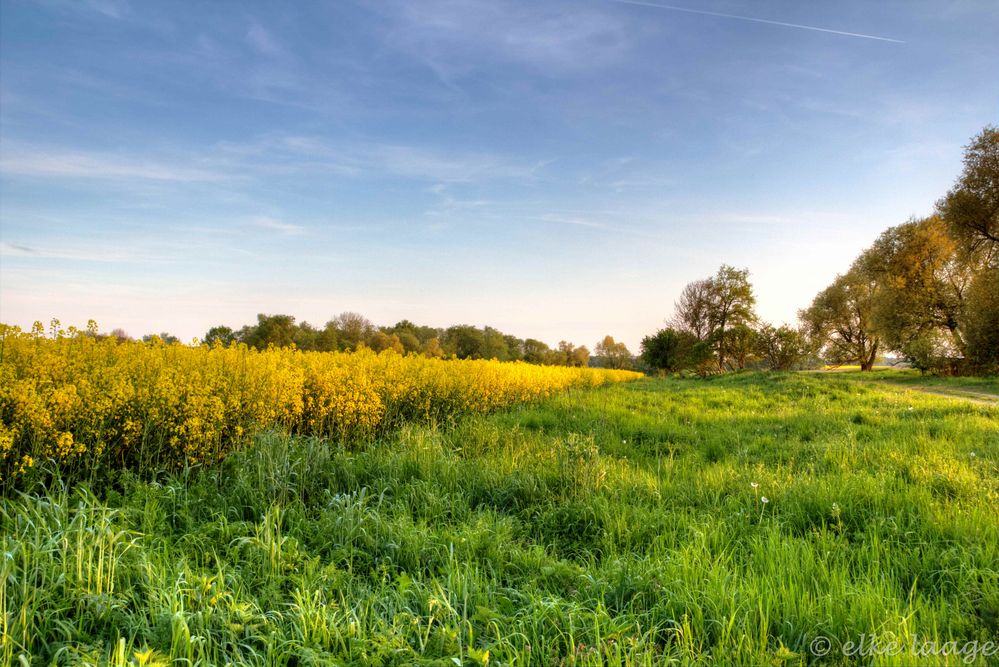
[[764, 500], [755, 485]]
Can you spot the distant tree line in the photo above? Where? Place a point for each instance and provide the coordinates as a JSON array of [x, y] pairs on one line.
[[927, 290], [352, 331]]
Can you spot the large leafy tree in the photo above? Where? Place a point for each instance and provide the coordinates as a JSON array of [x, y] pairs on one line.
[[971, 208], [921, 285], [719, 310], [841, 318]]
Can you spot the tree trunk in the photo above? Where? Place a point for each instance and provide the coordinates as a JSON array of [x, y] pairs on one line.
[[868, 363]]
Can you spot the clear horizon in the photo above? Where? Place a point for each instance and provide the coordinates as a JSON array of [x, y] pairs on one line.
[[556, 171]]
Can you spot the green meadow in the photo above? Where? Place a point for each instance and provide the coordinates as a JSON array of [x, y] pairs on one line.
[[737, 519]]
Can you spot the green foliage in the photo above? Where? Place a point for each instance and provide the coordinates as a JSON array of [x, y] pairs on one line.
[[670, 350], [162, 338], [982, 322], [921, 283], [971, 208], [623, 526], [840, 319], [276, 330], [464, 342], [613, 354], [351, 331], [536, 352], [220, 335], [720, 311], [782, 348], [924, 288]]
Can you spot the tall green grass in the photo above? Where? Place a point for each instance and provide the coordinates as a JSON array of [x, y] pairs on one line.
[[618, 526]]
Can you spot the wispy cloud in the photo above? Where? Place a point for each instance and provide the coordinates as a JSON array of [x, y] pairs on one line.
[[82, 253], [114, 9], [56, 162], [277, 225], [440, 166], [263, 41], [703, 12], [454, 39]]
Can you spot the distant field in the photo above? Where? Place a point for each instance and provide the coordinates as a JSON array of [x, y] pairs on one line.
[[732, 520]]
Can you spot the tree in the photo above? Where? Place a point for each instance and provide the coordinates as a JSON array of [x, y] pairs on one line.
[[982, 322], [840, 317], [536, 352], [782, 348], [921, 282], [494, 345], [276, 330], [327, 340], [381, 341], [220, 335], [162, 338], [740, 344], [693, 310], [570, 355], [971, 208], [514, 348], [410, 343], [464, 341], [421, 333], [731, 303], [432, 348], [306, 337], [353, 330], [708, 309], [671, 350], [613, 354]]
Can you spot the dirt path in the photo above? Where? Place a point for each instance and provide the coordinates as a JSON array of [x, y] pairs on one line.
[[981, 398]]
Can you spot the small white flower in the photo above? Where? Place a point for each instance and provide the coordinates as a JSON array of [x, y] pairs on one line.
[[764, 500], [754, 485], [624, 442], [910, 407], [973, 455]]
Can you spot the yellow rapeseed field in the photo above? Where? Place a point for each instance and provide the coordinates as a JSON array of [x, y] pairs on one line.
[[87, 402]]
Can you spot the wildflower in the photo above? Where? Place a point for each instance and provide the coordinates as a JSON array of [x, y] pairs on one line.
[[764, 500], [755, 485], [973, 455]]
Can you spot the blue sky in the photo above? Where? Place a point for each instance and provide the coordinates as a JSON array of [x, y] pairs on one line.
[[554, 169]]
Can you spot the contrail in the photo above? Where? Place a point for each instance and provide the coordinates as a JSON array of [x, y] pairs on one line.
[[755, 20]]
